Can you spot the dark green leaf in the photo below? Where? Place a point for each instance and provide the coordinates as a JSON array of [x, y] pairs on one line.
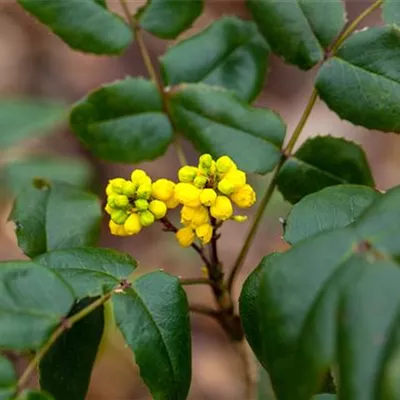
[[218, 123], [229, 53], [299, 30], [35, 395], [168, 18], [56, 216], [33, 300], [330, 208], [84, 25], [66, 368], [325, 396], [89, 270], [27, 118], [19, 174], [8, 378], [7, 393], [321, 162], [391, 12], [153, 316], [123, 122], [365, 69]]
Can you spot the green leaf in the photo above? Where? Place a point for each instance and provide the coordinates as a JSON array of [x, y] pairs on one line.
[[19, 174], [325, 396], [229, 53], [66, 368], [123, 122], [153, 316], [33, 300], [89, 270], [218, 123], [56, 216], [391, 12], [330, 208], [321, 162], [22, 119], [35, 395], [8, 379], [366, 69], [168, 18], [299, 30], [84, 25]]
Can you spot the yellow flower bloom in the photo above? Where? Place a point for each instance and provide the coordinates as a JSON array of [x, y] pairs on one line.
[[185, 236], [226, 186], [141, 204], [119, 216], [173, 202], [204, 233], [225, 164], [163, 189], [222, 209], [187, 174], [208, 197], [140, 177], [194, 216], [117, 230], [146, 218], [187, 215], [144, 191], [237, 178], [188, 194], [132, 225], [121, 201], [244, 197], [158, 208]]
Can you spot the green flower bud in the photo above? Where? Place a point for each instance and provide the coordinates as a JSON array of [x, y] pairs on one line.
[[119, 216], [146, 218], [200, 181], [141, 204], [111, 200], [121, 201], [144, 191], [186, 174], [129, 189], [205, 161]]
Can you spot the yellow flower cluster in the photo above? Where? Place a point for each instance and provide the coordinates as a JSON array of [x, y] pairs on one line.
[[207, 192], [138, 202]]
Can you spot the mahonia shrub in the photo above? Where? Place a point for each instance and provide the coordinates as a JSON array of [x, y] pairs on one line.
[[321, 318]]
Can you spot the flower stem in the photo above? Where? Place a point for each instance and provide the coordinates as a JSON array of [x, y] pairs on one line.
[[194, 281]]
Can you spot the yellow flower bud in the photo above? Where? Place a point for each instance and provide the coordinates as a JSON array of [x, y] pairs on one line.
[[245, 197], [185, 236], [129, 189], [205, 161], [240, 218], [187, 174], [117, 230], [119, 216], [204, 233], [188, 194], [117, 185], [222, 209], [173, 202], [132, 225], [146, 218], [200, 181], [208, 197], [163, 189], [194, 216], [225, 164], [109, 189], [144, 191], [237, 177], [141, 204], [108, 209], [226, 186], [121, 201], [140, 177], [158, 208]]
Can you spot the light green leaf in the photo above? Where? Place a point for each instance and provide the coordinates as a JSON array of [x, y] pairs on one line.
[[229, 53], [299, 30], [366, 69], [22, 119], [89, 270], [66, 368], [325, 396], [19, 174], [123, 122], [153, 316], [84, 25], [8, 379], [321, 162], [330, 208], [33, 300], [216, 122], [391, 12], [168, 18], [55, 216]]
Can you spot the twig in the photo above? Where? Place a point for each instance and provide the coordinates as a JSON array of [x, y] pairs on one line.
[[195, 281], [200, 309], [248, 369]]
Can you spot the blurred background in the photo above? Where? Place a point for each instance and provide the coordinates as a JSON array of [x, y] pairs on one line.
[[40, 76]]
